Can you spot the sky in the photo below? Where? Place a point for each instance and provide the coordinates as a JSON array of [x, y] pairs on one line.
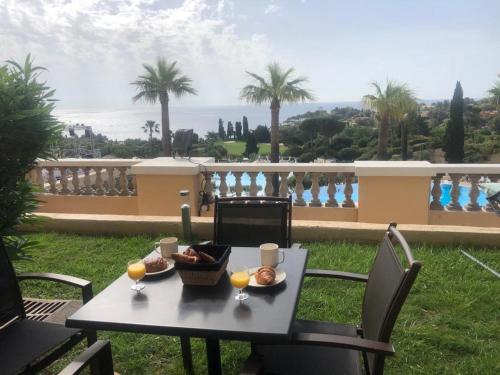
[[94, 49]]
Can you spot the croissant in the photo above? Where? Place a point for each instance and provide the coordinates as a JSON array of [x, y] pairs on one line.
[[182, 258], [191, 252], [265, 276], [206, 257]]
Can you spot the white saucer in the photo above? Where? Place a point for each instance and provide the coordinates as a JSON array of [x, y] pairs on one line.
[[169, 268], [280, 277]]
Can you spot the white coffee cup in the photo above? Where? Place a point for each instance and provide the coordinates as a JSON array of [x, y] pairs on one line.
[[168, 246], [270, 254]]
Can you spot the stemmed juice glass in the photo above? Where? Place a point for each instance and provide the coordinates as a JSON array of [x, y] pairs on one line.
[[240, 277], [136, 270]]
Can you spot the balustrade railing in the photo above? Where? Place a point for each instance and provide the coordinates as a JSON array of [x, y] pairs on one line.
[[465, 181], [86, 177], [253, 179], [454, 187]]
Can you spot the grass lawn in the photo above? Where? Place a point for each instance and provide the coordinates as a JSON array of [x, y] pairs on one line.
[[238, 148], [449, 325]]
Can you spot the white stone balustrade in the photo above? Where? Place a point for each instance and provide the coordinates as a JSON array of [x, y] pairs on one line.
[[117, 177], [321, 172], [86, 177], [462, 175]]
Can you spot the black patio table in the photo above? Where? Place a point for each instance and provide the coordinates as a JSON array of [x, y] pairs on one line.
[[167, 307]]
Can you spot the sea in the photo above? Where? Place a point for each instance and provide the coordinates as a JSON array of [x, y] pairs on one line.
[[122, 123]]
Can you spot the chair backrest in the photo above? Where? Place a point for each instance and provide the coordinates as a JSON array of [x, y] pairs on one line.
[[11, 302], [251, 221], [388, 285]]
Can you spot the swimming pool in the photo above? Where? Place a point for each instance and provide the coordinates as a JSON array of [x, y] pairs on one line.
[[339, 195]]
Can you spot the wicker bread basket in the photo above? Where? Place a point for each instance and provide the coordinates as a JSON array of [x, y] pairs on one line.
[[205, 274]]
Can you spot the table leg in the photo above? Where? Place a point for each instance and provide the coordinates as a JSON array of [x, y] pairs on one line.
[[187, 358], [213, 357]]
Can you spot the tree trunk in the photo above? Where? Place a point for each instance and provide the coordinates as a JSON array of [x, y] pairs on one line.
[[151, 142], [383, 138], [165, 126], [404, 140], [275, 143]]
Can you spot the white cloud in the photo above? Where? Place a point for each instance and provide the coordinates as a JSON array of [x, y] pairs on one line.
[[272, 8], [96, 47]]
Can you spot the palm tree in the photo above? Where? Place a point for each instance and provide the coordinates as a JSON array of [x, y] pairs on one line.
[[390, 106], [156, 85], [151, 127], [277, 88], [495, 93]]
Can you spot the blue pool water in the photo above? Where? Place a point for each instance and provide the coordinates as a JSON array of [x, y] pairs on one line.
[[339, 195]]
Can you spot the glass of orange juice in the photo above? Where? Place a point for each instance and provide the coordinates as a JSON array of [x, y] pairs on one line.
[[136, 270], [240, 277]]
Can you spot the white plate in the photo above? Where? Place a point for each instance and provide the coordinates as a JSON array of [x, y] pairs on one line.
[[280, 277], [169, 267]]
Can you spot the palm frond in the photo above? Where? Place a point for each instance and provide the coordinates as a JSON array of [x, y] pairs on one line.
[[394, 102], [279, 87], [255, 94], [161, 80], [182, 86]]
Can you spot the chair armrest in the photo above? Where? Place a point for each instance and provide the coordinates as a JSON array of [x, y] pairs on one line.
[[99, 355], [337, 275], [252, 366], [296, 245], [206, 243], [84, 285], [347, 342]]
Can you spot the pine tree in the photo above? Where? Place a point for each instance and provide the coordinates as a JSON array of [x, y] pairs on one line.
[[237, 126], [454, 136], [251, 147], [245, 127], [230, 130], [222, 133]]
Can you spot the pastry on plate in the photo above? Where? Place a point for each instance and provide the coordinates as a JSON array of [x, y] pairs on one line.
[[155, 264], [265, 275]]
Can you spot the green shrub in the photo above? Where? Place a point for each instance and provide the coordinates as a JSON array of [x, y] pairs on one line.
[[27, 126], [348, 154]]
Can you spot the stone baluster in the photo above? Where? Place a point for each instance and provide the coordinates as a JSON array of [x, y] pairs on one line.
[[436, 192], [299, 189], [75, 181], [52, 180], [254, 189], [64, 181], [209, 187], [99, 189], [269, 183], [238, 188], [87, 186], [332, 189], [39, 178], [111, 181], [223, 185], [134, 185], [488, 207], [284, 184], [348, 202], [315, 202], [454, 205], [123, 181], [473, 193]]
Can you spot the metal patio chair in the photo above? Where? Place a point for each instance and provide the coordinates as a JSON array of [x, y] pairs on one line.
[[98, 355], [30, 345], [332, 348], [251, 221]]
